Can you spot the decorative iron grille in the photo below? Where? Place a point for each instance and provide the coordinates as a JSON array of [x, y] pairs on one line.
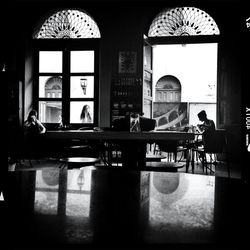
[[183, 21], [68, 24]]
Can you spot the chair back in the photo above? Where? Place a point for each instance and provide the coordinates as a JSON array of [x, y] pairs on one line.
[[215, 141]]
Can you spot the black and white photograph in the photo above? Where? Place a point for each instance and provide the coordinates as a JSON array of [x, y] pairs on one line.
[[127, 124]]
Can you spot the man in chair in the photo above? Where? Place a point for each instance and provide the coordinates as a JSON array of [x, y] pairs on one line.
[[208, 124]]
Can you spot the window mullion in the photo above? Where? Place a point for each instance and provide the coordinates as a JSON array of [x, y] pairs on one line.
[[66, 86]]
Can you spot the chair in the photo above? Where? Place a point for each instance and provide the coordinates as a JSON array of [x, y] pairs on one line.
[[214, 144], [76, 153], [27, 149], [169, 147], [171, 165], [173, 149]]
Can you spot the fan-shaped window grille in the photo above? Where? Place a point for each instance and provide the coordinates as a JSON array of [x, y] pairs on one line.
[[184, 21], [68, 23]]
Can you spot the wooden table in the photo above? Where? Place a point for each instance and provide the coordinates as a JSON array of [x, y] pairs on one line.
[[133, 144], [120, 135]]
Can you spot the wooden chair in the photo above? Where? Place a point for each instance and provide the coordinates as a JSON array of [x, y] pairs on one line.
[[214, 144], [168, 165], [28, 149], [172, 149]]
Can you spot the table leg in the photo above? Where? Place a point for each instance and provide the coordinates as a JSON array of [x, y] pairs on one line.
[[133, 155]]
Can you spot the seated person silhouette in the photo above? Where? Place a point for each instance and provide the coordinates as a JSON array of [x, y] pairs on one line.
[[33, 131], [207, 126]]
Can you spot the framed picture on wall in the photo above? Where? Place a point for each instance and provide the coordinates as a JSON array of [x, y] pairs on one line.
[[127, 62]]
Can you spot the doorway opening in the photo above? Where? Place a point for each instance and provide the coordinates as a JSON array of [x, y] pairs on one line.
[[195, 67]]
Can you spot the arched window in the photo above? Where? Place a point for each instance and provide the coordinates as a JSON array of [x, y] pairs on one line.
[[170, 86], [185, 41], [183, 21], [69, 23], [67, 67]]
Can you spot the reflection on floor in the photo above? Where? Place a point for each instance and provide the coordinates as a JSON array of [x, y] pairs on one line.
[[102, 208]]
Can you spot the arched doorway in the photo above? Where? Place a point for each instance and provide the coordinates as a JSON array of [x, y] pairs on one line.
[[185, 45]]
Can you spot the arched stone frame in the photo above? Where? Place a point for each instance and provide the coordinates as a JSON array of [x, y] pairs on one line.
[[169, 86]]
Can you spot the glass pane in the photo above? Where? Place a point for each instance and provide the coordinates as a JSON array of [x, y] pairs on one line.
[[147, 57], [50, 86], [82, 112], [50, 111], [82, 61], [81, 86], [195, 108], [50, 61]]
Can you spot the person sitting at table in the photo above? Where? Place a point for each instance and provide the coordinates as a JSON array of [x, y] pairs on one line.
[[33, 130], [208, 124], [32, 125], [207, 127]]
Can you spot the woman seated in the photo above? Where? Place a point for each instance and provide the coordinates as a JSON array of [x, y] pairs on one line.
[[208, 126], [33, 129]]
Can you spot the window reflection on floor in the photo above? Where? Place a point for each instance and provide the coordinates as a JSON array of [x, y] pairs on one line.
[[181, 203], [46, 194], [78, 196], [73, 192]]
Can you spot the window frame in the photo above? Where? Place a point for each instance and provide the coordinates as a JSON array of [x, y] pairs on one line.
[[67, 45], [168, 40]]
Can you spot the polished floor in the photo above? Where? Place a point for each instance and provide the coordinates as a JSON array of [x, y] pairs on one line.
[[46, 207]]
